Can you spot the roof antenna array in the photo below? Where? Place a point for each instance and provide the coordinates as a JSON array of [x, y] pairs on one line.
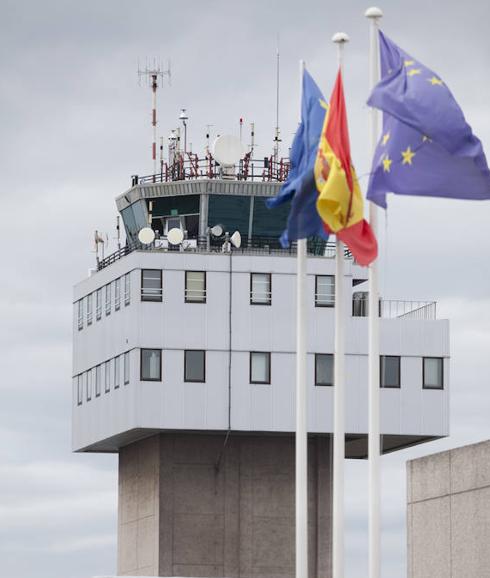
[[154, 74]]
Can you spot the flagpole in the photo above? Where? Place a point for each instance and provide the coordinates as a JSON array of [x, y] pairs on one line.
[[301, 408], [374, 450], [339, 388]]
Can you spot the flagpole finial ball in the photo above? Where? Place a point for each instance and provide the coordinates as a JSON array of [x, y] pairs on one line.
[[340, 37], [374, 12]]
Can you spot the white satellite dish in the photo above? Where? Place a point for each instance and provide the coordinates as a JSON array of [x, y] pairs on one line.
[[175, 236], [236, 239], [217, 231], [146, 236], [228, 150]]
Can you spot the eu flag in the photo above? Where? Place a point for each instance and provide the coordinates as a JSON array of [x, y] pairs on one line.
[[299, 188], [427, 148]]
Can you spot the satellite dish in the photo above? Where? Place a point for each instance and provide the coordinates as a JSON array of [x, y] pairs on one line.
[[228, 150], [217, 231], [175, 236], [146, 236], [236, 239]]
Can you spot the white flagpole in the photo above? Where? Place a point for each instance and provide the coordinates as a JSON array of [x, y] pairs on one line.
[[374, 450], [301, 410], [339, 389]]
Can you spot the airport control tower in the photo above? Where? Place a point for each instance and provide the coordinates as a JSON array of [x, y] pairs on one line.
[[184, 365]]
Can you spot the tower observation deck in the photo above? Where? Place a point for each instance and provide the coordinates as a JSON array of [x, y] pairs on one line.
[[184, 364]]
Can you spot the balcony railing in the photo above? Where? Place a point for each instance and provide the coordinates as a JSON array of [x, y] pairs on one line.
[[191, 167], [395, 308]]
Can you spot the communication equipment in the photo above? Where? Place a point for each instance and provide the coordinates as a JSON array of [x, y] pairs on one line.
[[146, 236], [217, 231], [175, 236], [228, 151], [236, 239]]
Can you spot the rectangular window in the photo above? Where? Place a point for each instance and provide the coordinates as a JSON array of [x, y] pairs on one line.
[[98, 380], [127, 289], [389, 370], [126, 368], [80, 314], [98, 304], [260, 288], [151, 365], [107, 372], [433, 373], [89, 309], [195, 286], [324, 290], [260, 367], [80, 389], [195, 365], [324, 369], [117, 294], [117, 371], [108, 299], [88, 379], [151, 285]]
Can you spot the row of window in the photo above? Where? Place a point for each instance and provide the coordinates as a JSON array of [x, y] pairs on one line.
[[108, 373], [259, 370], [260, 287], [105, 292]]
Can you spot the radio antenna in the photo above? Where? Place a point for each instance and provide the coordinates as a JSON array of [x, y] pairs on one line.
[[277, 140], [154, 74]]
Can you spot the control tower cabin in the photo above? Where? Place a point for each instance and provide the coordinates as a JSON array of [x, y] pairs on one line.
[[184, 365]]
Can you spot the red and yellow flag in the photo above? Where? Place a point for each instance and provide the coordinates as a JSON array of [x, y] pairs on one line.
[[340, 203]]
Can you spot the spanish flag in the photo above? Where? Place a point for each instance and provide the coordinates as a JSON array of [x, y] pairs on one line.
[[340, 203]]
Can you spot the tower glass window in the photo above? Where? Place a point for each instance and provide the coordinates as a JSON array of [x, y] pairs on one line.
[[80, 389], [151, 285], [127, 289], [117, 371], [389, 370], [98, 380], [107, 375], [80, 314], [126, 368], [433, 373], [88, 384], [195, 365], [260, 367], [117, 294], [151, 365], [108, 299], [324, 290], [260, 288], [195, 286], [89, 309], [98, 304], [324, 369]]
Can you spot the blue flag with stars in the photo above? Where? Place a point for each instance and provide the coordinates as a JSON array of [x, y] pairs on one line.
[[427, 148], [299, 187]]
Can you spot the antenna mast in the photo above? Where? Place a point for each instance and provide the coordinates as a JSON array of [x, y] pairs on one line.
[[277, 140], [154, 74]]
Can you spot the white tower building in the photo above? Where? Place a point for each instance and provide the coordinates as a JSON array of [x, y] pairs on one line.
[[184, 364]]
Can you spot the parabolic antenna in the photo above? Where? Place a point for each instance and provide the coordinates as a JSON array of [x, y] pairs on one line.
[[217, 231], [236, 239], [175, 236], [228, 150], [146, 235]]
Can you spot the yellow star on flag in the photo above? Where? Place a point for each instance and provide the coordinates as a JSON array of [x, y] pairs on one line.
[[386, 138], [434, 80], [407, 156], [414, 71], [409, 62], [387, 164]]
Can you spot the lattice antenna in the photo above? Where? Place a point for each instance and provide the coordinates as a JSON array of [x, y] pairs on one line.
[[153, 74]]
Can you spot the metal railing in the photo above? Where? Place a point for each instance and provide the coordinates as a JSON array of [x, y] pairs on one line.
[[396, 308], [191, 167]]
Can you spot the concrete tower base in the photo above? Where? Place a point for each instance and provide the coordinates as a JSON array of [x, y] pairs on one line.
[[193, 505]]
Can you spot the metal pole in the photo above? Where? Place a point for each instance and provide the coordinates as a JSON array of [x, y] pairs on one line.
[[301, 411], [374, 449], [338, 553], [154, 85]]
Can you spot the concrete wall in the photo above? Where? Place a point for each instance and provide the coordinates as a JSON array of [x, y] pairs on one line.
[[180, 515], [449, 514]]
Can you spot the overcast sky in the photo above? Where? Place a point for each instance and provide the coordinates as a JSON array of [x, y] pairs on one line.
[[75, 125]]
